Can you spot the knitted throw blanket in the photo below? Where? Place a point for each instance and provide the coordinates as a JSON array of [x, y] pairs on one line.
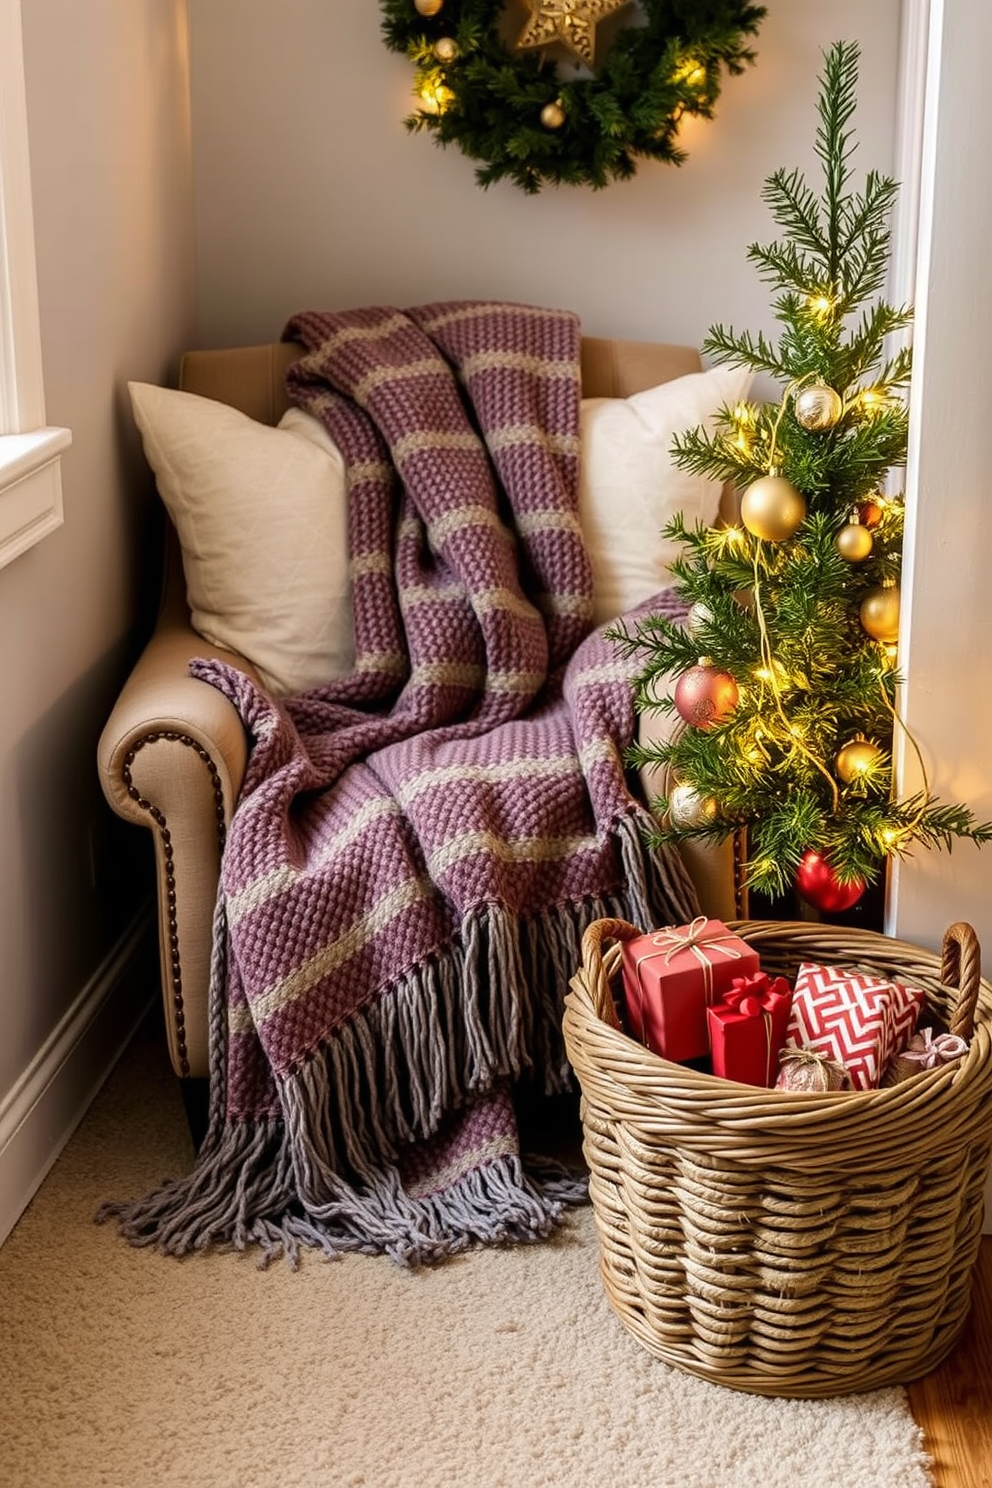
[[418, 847]]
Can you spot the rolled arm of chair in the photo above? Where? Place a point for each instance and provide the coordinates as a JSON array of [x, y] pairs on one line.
[[171, 758]]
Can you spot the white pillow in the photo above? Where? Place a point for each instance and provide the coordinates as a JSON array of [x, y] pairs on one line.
[[261, 515], [629, 487]]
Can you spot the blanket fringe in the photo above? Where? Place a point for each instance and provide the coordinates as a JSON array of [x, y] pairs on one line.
[[327, 1175]]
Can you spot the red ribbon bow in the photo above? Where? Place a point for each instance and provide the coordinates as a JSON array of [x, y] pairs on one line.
[[755, 997]]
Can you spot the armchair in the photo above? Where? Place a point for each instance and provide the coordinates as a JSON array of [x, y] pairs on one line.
[[173, 752]]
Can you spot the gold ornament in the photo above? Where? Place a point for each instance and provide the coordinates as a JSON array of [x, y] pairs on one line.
[[552, 116], [446, 49], [880, 613], [572, 22], [427, 7], [772, 508], [854, 542], [818, 407], [855, 757], [687, 808]]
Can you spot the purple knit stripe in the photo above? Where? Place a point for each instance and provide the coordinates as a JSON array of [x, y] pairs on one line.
[[466, 1138], [395, 373], [532, 472], [412, 937]]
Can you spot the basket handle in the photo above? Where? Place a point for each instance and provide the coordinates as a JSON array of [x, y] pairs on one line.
[[961, 967], [597, 981]]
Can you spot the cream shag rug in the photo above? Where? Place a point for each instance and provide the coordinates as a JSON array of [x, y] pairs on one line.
[[500, 1369]]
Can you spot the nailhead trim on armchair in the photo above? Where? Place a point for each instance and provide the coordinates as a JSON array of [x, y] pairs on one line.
[[159, 819]]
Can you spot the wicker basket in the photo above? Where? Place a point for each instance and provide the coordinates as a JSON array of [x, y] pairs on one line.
[[783, 1243]]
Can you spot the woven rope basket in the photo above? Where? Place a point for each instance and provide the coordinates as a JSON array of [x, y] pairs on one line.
[[782, 1243]]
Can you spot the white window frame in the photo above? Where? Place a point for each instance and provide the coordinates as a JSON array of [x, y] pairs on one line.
[[30, 475]]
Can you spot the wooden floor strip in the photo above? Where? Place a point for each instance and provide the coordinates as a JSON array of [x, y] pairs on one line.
[[953, 1404]]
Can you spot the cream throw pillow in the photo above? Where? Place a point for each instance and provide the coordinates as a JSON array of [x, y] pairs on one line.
[[630, 488], [261, 515]]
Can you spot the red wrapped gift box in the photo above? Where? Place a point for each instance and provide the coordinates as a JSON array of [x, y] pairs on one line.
[[859, 1021], [748, 1028], [671, 976]]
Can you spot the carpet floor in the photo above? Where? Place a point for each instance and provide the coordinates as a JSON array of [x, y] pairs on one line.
[[501, 1369]]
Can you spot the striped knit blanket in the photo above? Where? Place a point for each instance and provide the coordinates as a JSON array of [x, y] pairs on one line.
[[418, 848]]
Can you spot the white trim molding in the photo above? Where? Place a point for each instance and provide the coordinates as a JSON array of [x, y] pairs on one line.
[[30, 477], [41, 1112]]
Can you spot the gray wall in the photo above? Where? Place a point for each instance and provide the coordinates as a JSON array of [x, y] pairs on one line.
[[310, 194], [108, 114]]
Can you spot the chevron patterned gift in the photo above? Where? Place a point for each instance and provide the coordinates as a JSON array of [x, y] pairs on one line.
[[860, 1021]]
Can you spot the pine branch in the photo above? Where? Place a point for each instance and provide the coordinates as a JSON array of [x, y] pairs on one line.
[[796, 209], [744, 350], [836, 107]]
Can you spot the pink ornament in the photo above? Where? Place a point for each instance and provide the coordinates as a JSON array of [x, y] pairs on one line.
[[817, 883], [704, 696]]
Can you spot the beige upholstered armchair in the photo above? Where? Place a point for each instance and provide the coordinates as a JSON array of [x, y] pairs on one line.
[[173, 752]]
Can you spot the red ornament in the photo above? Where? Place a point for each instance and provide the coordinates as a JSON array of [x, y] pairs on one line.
[[817, 883], [704, 695]]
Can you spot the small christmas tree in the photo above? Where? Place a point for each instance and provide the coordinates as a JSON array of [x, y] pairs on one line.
[[785, 667]]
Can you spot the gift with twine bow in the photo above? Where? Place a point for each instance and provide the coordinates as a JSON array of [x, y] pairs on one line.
[[670, 978], [926, 1050], [747, 1028], [808, 1071]]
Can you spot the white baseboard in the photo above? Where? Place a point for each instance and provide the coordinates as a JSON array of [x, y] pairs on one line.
[[41, 1112]]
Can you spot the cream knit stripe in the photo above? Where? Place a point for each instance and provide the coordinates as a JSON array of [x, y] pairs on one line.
[[546, 520], [461, 518], [529, 768], [423, 441], [512, 435], [466, 674], [505, 850], [483, 311], [386, 663], [408, 372], [362, 471], [483, 603], [516, 361], [578, 606], [349, 940], [366, 564], [270, 884], [611, 671], [448, 1173], [380, 332], [448, 674]]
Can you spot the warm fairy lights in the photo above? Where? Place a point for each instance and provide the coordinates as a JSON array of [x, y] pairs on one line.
[[434, 96]]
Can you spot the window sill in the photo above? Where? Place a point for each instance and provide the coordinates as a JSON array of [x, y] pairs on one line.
[[30, 489]]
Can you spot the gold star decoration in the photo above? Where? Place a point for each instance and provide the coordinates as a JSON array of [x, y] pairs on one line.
[[572, 22]]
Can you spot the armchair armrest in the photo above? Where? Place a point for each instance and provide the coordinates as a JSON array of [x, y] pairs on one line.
[[171, 758]]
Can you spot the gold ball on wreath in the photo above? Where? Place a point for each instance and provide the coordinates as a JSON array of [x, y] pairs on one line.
[[427, 7], [818, 407], [687, 808], [854, 542], [772, 508], [880, 613], [446, 49], [855, 757], [552, 116]]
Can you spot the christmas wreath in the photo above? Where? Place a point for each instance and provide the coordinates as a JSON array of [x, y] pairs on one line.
[[539, 104]]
